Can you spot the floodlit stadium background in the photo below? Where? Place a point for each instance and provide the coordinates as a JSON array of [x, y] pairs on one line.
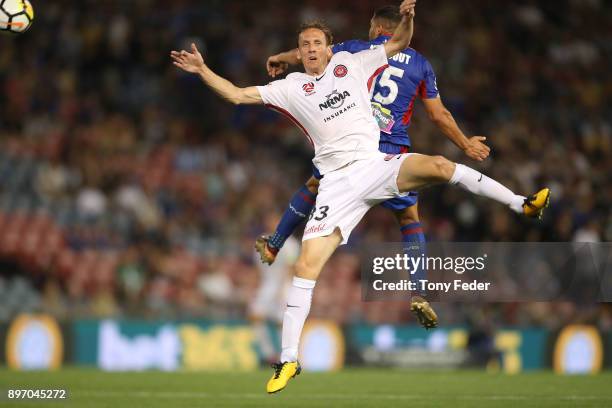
[[130, 196]]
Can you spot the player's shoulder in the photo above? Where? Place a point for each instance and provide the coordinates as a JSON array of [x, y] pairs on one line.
[[351, 46], [355, 41], [285, 84], [295, 76], [416, 55], [345, 55], [341, 55]]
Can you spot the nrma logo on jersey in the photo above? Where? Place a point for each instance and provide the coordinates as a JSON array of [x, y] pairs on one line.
[[334, 100]]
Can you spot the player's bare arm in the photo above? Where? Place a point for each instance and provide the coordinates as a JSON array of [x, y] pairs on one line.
[[193, 62], [277, 64], [473, 147], [403, 33]]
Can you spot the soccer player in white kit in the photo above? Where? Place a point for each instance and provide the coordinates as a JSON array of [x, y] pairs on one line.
[[330, 102]]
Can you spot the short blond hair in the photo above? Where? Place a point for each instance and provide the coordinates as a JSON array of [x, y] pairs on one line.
[[319, 25]]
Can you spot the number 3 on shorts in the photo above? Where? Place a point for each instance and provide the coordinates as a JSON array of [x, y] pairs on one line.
[[322, 213]]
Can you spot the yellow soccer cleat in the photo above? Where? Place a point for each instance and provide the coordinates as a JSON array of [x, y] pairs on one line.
[[423, 312], [535, 204], [266, 253], [283, 372]]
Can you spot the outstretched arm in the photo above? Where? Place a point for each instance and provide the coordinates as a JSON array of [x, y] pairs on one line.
[[403, 33], [473, 147], [194, 63], [277, 64]]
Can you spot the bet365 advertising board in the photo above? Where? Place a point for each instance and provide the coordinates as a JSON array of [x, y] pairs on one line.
[[38, 341]]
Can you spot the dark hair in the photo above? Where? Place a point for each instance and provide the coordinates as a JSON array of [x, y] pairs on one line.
[[388, 16], [319, 25]]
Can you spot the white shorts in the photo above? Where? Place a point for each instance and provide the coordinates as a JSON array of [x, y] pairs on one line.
[[346, 195]]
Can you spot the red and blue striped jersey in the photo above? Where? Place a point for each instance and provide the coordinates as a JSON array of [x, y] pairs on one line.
[[409, 75]]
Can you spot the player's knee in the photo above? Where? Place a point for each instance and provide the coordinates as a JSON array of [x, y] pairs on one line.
[[312, 185], [443, 168], [407, 216], [306, 270]]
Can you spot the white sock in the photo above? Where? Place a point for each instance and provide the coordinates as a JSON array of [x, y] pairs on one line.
[[477, 183], [298, 306]]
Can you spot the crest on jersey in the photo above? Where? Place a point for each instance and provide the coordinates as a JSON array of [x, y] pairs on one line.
[[340, 71], [308, 88]]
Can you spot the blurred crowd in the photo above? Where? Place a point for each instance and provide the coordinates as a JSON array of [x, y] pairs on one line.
[[128, 189]]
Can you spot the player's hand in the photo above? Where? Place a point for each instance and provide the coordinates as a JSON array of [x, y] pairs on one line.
[[476, 149], [407, 8], [188, 61], [275, 66]]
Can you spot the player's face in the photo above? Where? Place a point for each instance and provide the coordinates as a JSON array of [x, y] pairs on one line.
[[314, 50]]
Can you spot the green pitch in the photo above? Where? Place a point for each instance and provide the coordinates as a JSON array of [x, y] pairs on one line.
[[349, 388]]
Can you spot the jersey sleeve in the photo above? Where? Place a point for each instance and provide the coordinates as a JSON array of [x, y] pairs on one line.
[[276, 93], [352, 46], [430, 85], [372, 61]]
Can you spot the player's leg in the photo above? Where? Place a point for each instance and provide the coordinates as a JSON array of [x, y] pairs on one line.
[[418, 171], [313, 256], [406, 212], [412, 234], [342, 202], [298, 210], [315, 253]]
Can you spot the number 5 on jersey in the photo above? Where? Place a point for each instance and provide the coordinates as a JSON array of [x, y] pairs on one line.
[[386, 82]]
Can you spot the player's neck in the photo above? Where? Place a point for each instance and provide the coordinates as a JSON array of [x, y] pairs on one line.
[[315, 72]]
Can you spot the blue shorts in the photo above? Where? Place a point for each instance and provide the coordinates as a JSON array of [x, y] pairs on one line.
[[399, 203], [395, 204]]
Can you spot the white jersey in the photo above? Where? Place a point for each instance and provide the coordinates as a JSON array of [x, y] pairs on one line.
[[333, 109]]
